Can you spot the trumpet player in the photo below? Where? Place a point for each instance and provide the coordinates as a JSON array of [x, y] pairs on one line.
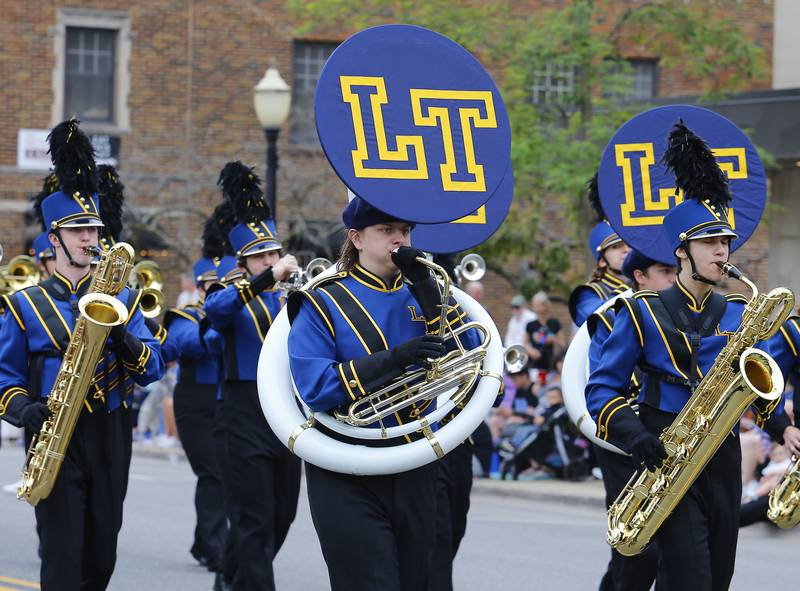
[[44, 255], [79, 521], [675, 335], [351, 335], [265, 474]]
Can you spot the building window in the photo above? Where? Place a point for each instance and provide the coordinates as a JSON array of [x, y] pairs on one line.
[[91, 77], [89, 74], [643, 79], [553, 83], [308, 59]]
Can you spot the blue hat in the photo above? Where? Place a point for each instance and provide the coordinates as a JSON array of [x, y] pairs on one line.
[[205, 269], [696, 219], [358, 214], [60, 210], [42, 249], [228, 268], [601, 237], [636, 260], [254, 237]]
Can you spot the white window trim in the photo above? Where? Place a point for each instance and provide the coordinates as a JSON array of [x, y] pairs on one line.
[[94, 19]]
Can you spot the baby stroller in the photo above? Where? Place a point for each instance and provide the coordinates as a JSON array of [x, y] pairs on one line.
[[554, 444]]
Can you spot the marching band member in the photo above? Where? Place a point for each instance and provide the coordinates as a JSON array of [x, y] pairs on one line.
[[195, 399], [265, 475], [609, 251], [79, 522], [675, 335], [351, 335], [44, 255], [635, 572]]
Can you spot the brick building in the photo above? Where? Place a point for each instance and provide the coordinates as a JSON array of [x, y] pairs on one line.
[[166, 86]]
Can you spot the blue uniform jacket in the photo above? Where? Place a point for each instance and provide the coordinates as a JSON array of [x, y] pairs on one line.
[[195, 364], [215, 345], [784, 347], [341, 323], [644, 334], [586, 298], [243, 319], [31, 351]]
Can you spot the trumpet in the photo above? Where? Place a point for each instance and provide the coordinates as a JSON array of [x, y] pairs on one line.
[[471, 268], [146, 276], [20, 272], [299, 278]]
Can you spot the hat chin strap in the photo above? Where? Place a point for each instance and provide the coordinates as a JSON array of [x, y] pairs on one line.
[[72, 262], [617, 272], [695, 275]]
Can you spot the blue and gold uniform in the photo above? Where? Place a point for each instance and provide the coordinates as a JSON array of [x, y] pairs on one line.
[[264, 474], [342, 344], [784, 347], [675, 338], [586, 298], [195, 401], [92, 482]]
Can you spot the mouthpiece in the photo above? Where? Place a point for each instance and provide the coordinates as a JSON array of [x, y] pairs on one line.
[[730, 270]]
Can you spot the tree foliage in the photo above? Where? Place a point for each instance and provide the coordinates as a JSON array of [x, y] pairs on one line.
[[556, 146]]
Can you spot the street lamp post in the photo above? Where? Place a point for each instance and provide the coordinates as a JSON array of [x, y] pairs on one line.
[[272, 99]]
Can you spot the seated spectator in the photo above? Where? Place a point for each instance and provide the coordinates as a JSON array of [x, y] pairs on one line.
[[519, 404]]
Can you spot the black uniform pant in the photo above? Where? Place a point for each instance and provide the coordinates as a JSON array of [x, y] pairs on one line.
[[453, 486], [229, 559], [266, 484], [376, 532], [754, 511], [194, 416], [79, 522], [697, 543], [624, 573]]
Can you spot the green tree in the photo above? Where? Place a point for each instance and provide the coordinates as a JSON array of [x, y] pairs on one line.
[[556, 146]]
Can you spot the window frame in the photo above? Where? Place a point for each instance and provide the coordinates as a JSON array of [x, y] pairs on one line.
[[117, 21], [294, 134]]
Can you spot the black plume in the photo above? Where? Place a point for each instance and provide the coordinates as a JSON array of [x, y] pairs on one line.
[[49, 186], [111, 194], [73, 159], [696, 170], [593, 193], [215, 231], [242, 187]]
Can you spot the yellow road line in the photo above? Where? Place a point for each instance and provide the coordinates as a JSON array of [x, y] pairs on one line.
[[19, 582]]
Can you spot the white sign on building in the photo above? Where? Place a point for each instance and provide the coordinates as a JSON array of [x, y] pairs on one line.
[[32, 149]]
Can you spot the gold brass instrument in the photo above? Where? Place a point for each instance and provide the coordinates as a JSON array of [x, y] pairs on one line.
[[146, 276], [740, 376], [455, 372], [299, 278], [784, 499], [20, 272], [100, 310]]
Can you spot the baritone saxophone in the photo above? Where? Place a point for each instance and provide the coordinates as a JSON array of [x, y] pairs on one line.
[[740, 376], [100, 311], [784, 499]]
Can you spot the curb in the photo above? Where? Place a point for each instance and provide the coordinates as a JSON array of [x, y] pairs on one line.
[[171, 454], [586, 494]]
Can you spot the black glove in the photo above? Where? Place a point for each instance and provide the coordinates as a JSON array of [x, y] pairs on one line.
[[406, 260], [34, 415], [648, 451], [417, 351], [262, 281], [126, 344]]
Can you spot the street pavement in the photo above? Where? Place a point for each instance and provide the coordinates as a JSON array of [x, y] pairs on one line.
[[518, 538]]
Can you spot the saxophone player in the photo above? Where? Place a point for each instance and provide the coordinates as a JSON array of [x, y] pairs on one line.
[[629, 573], [609, 251], [265, 474], [674, 336], [79, 522]]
